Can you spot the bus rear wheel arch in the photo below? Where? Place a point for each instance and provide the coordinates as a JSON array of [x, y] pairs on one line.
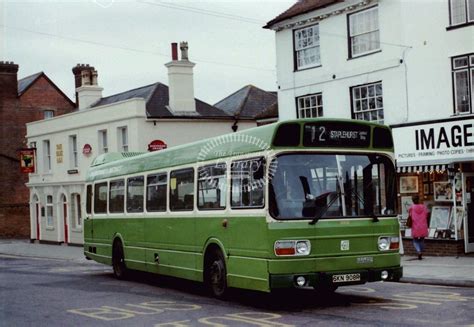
[[118, 260], [215, 272]]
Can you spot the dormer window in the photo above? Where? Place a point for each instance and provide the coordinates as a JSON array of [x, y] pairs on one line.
[[307, 54]]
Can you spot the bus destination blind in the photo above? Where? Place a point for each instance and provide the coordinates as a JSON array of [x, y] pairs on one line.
[[337, 134]]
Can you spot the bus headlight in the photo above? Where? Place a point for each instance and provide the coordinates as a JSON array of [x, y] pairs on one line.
[[289, 248], [302, 247], [386, 243]]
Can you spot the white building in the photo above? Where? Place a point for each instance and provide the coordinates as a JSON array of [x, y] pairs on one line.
[[151, 116], [408, 64]]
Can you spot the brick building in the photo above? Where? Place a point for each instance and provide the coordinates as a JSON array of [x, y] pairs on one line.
[[32, 98]]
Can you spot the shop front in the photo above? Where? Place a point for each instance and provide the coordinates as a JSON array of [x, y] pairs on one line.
[[435, 161]]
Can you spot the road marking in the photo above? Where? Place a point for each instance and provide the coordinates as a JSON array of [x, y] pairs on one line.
[[265, 319], [109, 313]]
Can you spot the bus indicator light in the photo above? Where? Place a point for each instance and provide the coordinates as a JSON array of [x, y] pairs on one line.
[[283, 248]]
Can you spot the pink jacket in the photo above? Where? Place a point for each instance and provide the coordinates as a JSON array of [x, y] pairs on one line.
[[419, 216]]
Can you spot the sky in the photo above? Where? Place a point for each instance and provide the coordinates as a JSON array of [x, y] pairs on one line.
[[128, 41]]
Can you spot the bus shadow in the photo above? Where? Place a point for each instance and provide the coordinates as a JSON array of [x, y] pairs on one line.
[[281, 300]]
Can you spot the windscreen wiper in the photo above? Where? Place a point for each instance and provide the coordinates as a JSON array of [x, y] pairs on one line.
[[372, 215], [326, 207]]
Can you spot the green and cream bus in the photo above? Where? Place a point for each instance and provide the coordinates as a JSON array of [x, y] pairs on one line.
[[299, 203]]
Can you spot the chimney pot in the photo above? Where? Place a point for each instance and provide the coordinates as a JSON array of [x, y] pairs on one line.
[[174, 51], [184, 50]]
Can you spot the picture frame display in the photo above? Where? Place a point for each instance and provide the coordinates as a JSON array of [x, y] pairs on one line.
[[409, 184], [456, 218], [443, 191], [440, 217]]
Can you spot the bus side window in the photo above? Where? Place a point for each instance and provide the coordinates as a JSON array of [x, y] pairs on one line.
[[212, 187], [89, 199], [100, 198], [156, 192], [182, 190], [248, 183], [135, 194], [116, 196]]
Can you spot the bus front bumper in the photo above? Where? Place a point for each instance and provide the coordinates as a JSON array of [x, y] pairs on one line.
[[337, 278]]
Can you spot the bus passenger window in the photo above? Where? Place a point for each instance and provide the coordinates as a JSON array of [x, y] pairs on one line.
[[182, 190], [100, 198], [212, 187], [248, 183], [156, 192], [89, 199], [116, 196], [135, 191]]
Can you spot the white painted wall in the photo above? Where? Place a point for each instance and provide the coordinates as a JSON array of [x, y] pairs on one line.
[[425, 71]]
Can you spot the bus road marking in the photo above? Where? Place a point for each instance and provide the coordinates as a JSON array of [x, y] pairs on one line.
[[109, 313], [261, 319]]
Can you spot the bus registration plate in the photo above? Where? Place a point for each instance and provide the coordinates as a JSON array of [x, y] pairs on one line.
[[345, 278]]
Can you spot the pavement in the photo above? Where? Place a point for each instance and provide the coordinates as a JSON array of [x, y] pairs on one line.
[[447, 271]]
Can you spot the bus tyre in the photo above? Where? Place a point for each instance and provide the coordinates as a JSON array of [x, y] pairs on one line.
[[217, 275], [118, 261]]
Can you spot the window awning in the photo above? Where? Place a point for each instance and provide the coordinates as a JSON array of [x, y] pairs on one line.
[[421, 169]]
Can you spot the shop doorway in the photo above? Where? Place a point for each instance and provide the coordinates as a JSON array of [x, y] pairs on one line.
[[469, 218]]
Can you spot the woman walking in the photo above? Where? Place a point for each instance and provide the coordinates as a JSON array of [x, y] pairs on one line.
[[419, 229]]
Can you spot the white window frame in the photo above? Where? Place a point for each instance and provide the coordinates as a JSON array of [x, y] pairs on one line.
[[466, 13], [360, 35], [73, 151], [47, 156], [103, 142], [359, 100], [123, 139], [468, 69], [76, 212], [310, 106], [49, 211], [307, 47]]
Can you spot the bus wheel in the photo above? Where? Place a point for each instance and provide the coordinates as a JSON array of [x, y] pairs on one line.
[[118, 261], [217, 275]]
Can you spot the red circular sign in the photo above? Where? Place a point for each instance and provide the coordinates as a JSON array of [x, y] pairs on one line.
[[157, 145], [87, 149]]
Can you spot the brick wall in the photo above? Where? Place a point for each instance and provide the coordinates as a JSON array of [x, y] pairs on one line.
[[436, 247], [15, 112]]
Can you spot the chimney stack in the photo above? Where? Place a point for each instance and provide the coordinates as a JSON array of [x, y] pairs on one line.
[[8, 79], [180, 80], [87, 90]]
